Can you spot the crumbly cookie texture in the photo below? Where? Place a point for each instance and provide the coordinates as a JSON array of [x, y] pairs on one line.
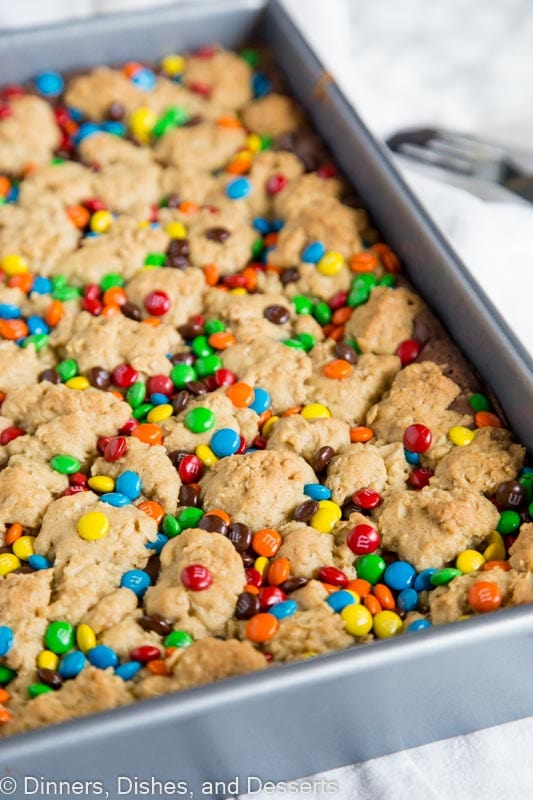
[[53, 238], [185, 289], [305, 437], [272, 115], [358, 465], [28, 134], [380, 325], [225, 76], [204, 146]]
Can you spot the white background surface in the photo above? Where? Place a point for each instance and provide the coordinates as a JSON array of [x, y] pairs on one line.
[[464, 64]]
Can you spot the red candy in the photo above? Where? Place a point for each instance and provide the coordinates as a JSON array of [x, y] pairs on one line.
[[159, 384], [254, 577], [338, 300], [92, 292], [8, 434], [129, 426], [363, 539], [115, 448], [332, 575], [74, 490], [190, 469], [5, 111], [260, 442], [124, 376], [327, 171], [276, 183], [271, 596], [94, 204], [145, 653], [242, 446], [211, 383], [419, 477], [196, 577], [408, 351], [225, 377], [77, 479], [366, 498], [417, 438], [157, 303], [200, 88], [92, 305]]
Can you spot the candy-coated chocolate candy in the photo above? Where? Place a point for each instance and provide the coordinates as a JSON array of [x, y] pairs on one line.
[[115, 499], [102, 657], [484, 596], [317, 491], [59, 637], [128, 670], [422, 582], [196, 577], [238, 188], [313, 252], [417, 438], [8, 563], [225, 442], [357, 620], [370, 568], [130, 484], [72, 664], [6, 640], [461, 436], [85, 637], [363, 539], [367, 499], [407, 600], [469, 561], [399, 575], [65, 464], [199, 420], [178, 639], [387, 624], [145, 653], [284, 609], [93, 526], [261, 627], [339, 600], [418, 625], [333, 576], [509, 522], [441, 577], [137, 580]]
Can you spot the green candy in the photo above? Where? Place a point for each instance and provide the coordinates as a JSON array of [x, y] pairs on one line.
[[57, 160], [296, 344], [6, 674], [35, 689], [199, 420], [527, 482], [182, 374], [266, 142], [214, 326], [509, 522], [60, 637], [207, 365], [251, 56], [387, 280], [365, 281], [136, 394], [67, 369], [172, 117], [38, 340], [201, 347], [190, 517], [480, 402], [353, 344], [141, 411], [322, 313], [58, 281], [302, 304], [155, 259], [110, 280], [178, 639], [307, 339], [66, 293], [357, 297], [443, 576], [370, 568], [65, 464], [257, 248], [170, 526]]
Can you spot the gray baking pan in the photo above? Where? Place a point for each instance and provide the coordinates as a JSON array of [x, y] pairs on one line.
[[298, 719]]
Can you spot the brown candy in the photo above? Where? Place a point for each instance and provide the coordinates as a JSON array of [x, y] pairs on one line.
[[322, 458], [240, 536], [278, 315], [116, 111], [196, 388], [189, 496], [217, 234], [50, 677], [153, 567], [292, 584], [99, 378], [179, 401], [289, 275], [510, 495], [214, 524], [131, 311], [182, 358], [153, 622], [305, 511], [346, 352], [49, 375], [247, 605]]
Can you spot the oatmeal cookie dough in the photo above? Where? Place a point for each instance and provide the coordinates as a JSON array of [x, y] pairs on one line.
[[28, 134]]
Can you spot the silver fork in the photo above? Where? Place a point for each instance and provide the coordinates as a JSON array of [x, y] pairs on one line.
[[466, 160]]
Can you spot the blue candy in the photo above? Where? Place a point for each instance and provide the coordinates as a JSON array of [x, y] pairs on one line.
[[238, 188], [261, 225], [277, 225], [116, 128], [75, 113], [399, 575], [51, 84], [423, 580], [313, 252], [13, 194], [41, 285], [128, 670], [136, 580], [260, 85], [102, 657], [129, 484], [283, 610], [6, 640], [158, 399], [39, 562], [144, 79], [158, 544], [261, 401], [115, 499], [412, 458], [9, 311], [418, 625], [407, 600], [225, 442], [85, 130], [316, 491], [72, 664], [37, 325], [339, 600]]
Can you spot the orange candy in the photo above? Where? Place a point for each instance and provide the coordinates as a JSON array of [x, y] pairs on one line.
[[13, 329], [488, 565], [336, 333], [372, 604], [111, 310], [116, 295], [79, 216], [279, 571], [241, 394], [211, 274], [152, 509], [363, 262], [251, 278], [188, 207], [4, 695], [228, 121], [158, 667], [484, 596], [338, 369], [239, 166], [131, 68], [291, 412], [266, 542], [5, 715], [360, 586], [148, 433], [390, 260], [271, 239], [342, 315], [361, 434], [154, 322], [486, 419], [23, 282], [2, 397], [54, 313], [384, 595], [261, 627], [5, 185], [13, 533], [250, 588], [221, 340], [217, 512]]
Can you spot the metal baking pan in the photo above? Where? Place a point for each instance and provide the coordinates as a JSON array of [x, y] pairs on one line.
[[340, 708]]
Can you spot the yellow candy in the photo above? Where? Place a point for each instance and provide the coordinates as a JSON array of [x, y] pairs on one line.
[[469, 561], [160, 413], [331, 263], [253, 142], [173, 64], [261, 564], [101, 221], [354, 595], [176, 230], [496, 548], [269, 424], [326, 517], [12, 264], [145, 223], [101, 483], [142, 121], [8, 563], [85, 637], [315, 411], [309, 654], [23, 547], [387, 624], [238, 290], [93, 526], [460, 436], [357, 620], [463, 617], [79, 382], [47, 660], [206, 455]]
